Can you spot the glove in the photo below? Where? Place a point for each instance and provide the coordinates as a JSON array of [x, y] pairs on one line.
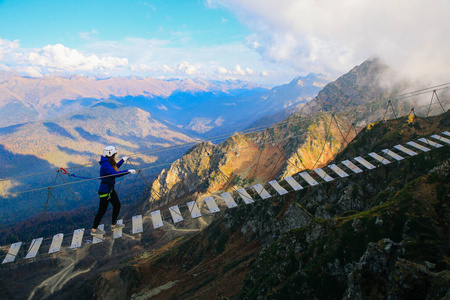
[[132, 171], [125, 158]]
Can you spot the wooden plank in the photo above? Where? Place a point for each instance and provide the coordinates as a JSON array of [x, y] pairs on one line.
[[193, 208], [446, 133], [338, 170], [417, 146], [405, 150], [380, 158], [245, 196], [118, 232], [293, 183], [212, 205], [176, 214], [280, 190], [12, 253], [351, 166], [228, 200], [440, 138], [365, 163], [56, 243], [311, 181], [136, 223], [261, 191], [99, 238], [34, 248], [77, 238], [431, 143], [156, 219], [324, 175], [393, 154]]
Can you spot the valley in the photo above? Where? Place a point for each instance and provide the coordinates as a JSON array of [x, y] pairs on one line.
[[155, 121]]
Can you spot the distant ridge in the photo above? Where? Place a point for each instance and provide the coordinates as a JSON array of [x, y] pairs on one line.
[[46, 96]]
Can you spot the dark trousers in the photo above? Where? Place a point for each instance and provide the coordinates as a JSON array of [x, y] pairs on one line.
[[114, 199]]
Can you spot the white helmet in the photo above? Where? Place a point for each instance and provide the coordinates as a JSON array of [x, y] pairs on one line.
[[109, 151]]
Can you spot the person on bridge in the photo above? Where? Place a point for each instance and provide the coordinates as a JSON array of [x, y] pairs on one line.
[[109, 171]]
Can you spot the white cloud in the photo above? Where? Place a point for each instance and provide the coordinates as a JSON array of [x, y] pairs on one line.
[[413, 36], [237, 71], [55, 58], [31, 71], [7, 47], [186, 68], [167, 69], [63, 58], [222, 70]]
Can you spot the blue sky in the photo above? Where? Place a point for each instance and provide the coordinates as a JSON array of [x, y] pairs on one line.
[[38, 23], [263, 41]]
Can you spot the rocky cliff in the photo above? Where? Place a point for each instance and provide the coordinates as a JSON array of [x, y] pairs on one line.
[[248, 159]]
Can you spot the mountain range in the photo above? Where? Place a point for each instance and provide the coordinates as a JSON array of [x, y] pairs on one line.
[[184, 103], [55, 122], [49, 96]]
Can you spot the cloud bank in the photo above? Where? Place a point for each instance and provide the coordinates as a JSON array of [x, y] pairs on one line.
[[132, 56], [53, 59], [412, 36]]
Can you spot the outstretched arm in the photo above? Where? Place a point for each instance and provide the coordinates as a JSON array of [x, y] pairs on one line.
[[124, 159], [110, 172]]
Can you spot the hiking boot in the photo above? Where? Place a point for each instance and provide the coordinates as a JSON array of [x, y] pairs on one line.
[[117, 226], [98, 232]]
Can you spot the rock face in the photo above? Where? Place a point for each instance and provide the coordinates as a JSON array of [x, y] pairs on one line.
[[296, 216], [360, 85], [380, 273], [244, 160], [186, 175]]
